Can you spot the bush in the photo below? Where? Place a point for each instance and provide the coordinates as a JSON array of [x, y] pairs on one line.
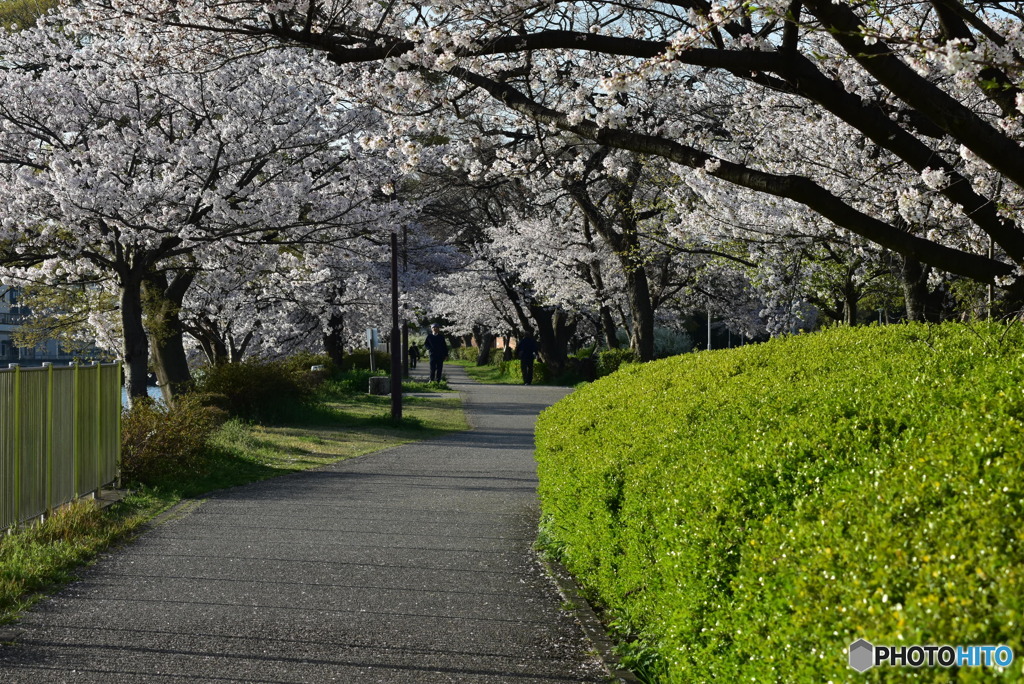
[[463, 353], [349, 383], [360, 359], [512, 369], [157, 442], [609, 360], [497, 356], [304, 361], [258, 391], [746, 514]]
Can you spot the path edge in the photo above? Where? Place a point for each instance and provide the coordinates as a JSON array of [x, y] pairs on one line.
[[580, 608]]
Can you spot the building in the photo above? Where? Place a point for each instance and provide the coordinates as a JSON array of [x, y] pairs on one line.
[[11, 316]]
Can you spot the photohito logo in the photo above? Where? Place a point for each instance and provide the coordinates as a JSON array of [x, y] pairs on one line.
[[864, 655]]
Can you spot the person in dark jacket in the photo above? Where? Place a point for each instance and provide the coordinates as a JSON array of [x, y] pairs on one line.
[[526, 350], [437, 350], [414, 355]]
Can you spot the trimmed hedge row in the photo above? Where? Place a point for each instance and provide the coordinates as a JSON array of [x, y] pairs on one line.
[[514, 370], [746, 514]]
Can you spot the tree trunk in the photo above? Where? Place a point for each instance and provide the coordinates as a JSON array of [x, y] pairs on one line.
[[136, 344], [236, 350], [553, 344], [565, 329], [611, 332], [405, 349], [851, 298], [215, 349], [486, 342], [545, 336], [596, 279], [639, 294], [626, 245], [168, 346], [334, 339], [206, 332], [914, 277]]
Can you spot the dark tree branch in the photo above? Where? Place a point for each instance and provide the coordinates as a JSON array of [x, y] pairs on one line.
[[797, 188]]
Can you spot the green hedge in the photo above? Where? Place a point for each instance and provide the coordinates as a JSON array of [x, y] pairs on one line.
[[459, 353], [514, 370], [610, 360], [360, 359], [746, 514]]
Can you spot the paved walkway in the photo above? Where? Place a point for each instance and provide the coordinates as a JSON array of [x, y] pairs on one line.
[[408, 565]]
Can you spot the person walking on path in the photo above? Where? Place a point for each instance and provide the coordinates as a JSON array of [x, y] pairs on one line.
[[414, 355], [526, 350], [437, 349]]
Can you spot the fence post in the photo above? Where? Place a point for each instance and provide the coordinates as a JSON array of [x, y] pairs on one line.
[[17, 440], [49, 436], [75, 402], [120, 409], [99, 427]]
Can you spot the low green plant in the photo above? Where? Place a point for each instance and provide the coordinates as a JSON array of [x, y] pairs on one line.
[[418, 386], [512, 370], [746, 514], [303, 362], [37, 558], [157, 441], [258, 390], [463, 353], [359, 359], [610, 360], [348, 383]]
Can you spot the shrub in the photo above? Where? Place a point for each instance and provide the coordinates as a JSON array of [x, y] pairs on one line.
[[496, 356], [303, 361], [360, 359], [746, 514], [513, 370], [609, 360], [158, 442], [668, 342], [463, 353], [349, 383], [258, 391]]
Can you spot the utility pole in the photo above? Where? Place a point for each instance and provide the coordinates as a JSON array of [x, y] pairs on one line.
[[405, 323], [396, 335]]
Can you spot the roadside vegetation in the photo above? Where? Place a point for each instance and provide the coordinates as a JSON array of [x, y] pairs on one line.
[[212, 440], [586, 365], [747, 514]]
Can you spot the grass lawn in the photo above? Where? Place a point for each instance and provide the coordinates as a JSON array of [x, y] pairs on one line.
[[493, 375], [40, 558], [488, 375]]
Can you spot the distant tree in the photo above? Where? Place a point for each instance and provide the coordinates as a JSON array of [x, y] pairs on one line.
[[115, 165]]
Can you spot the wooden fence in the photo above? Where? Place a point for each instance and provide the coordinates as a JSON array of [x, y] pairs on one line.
[[60, 436]]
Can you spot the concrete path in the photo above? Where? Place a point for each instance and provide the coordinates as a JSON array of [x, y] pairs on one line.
[[409, 565]]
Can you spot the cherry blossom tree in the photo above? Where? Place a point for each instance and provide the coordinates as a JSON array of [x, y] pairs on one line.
[[930, 89], [114, 162]]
